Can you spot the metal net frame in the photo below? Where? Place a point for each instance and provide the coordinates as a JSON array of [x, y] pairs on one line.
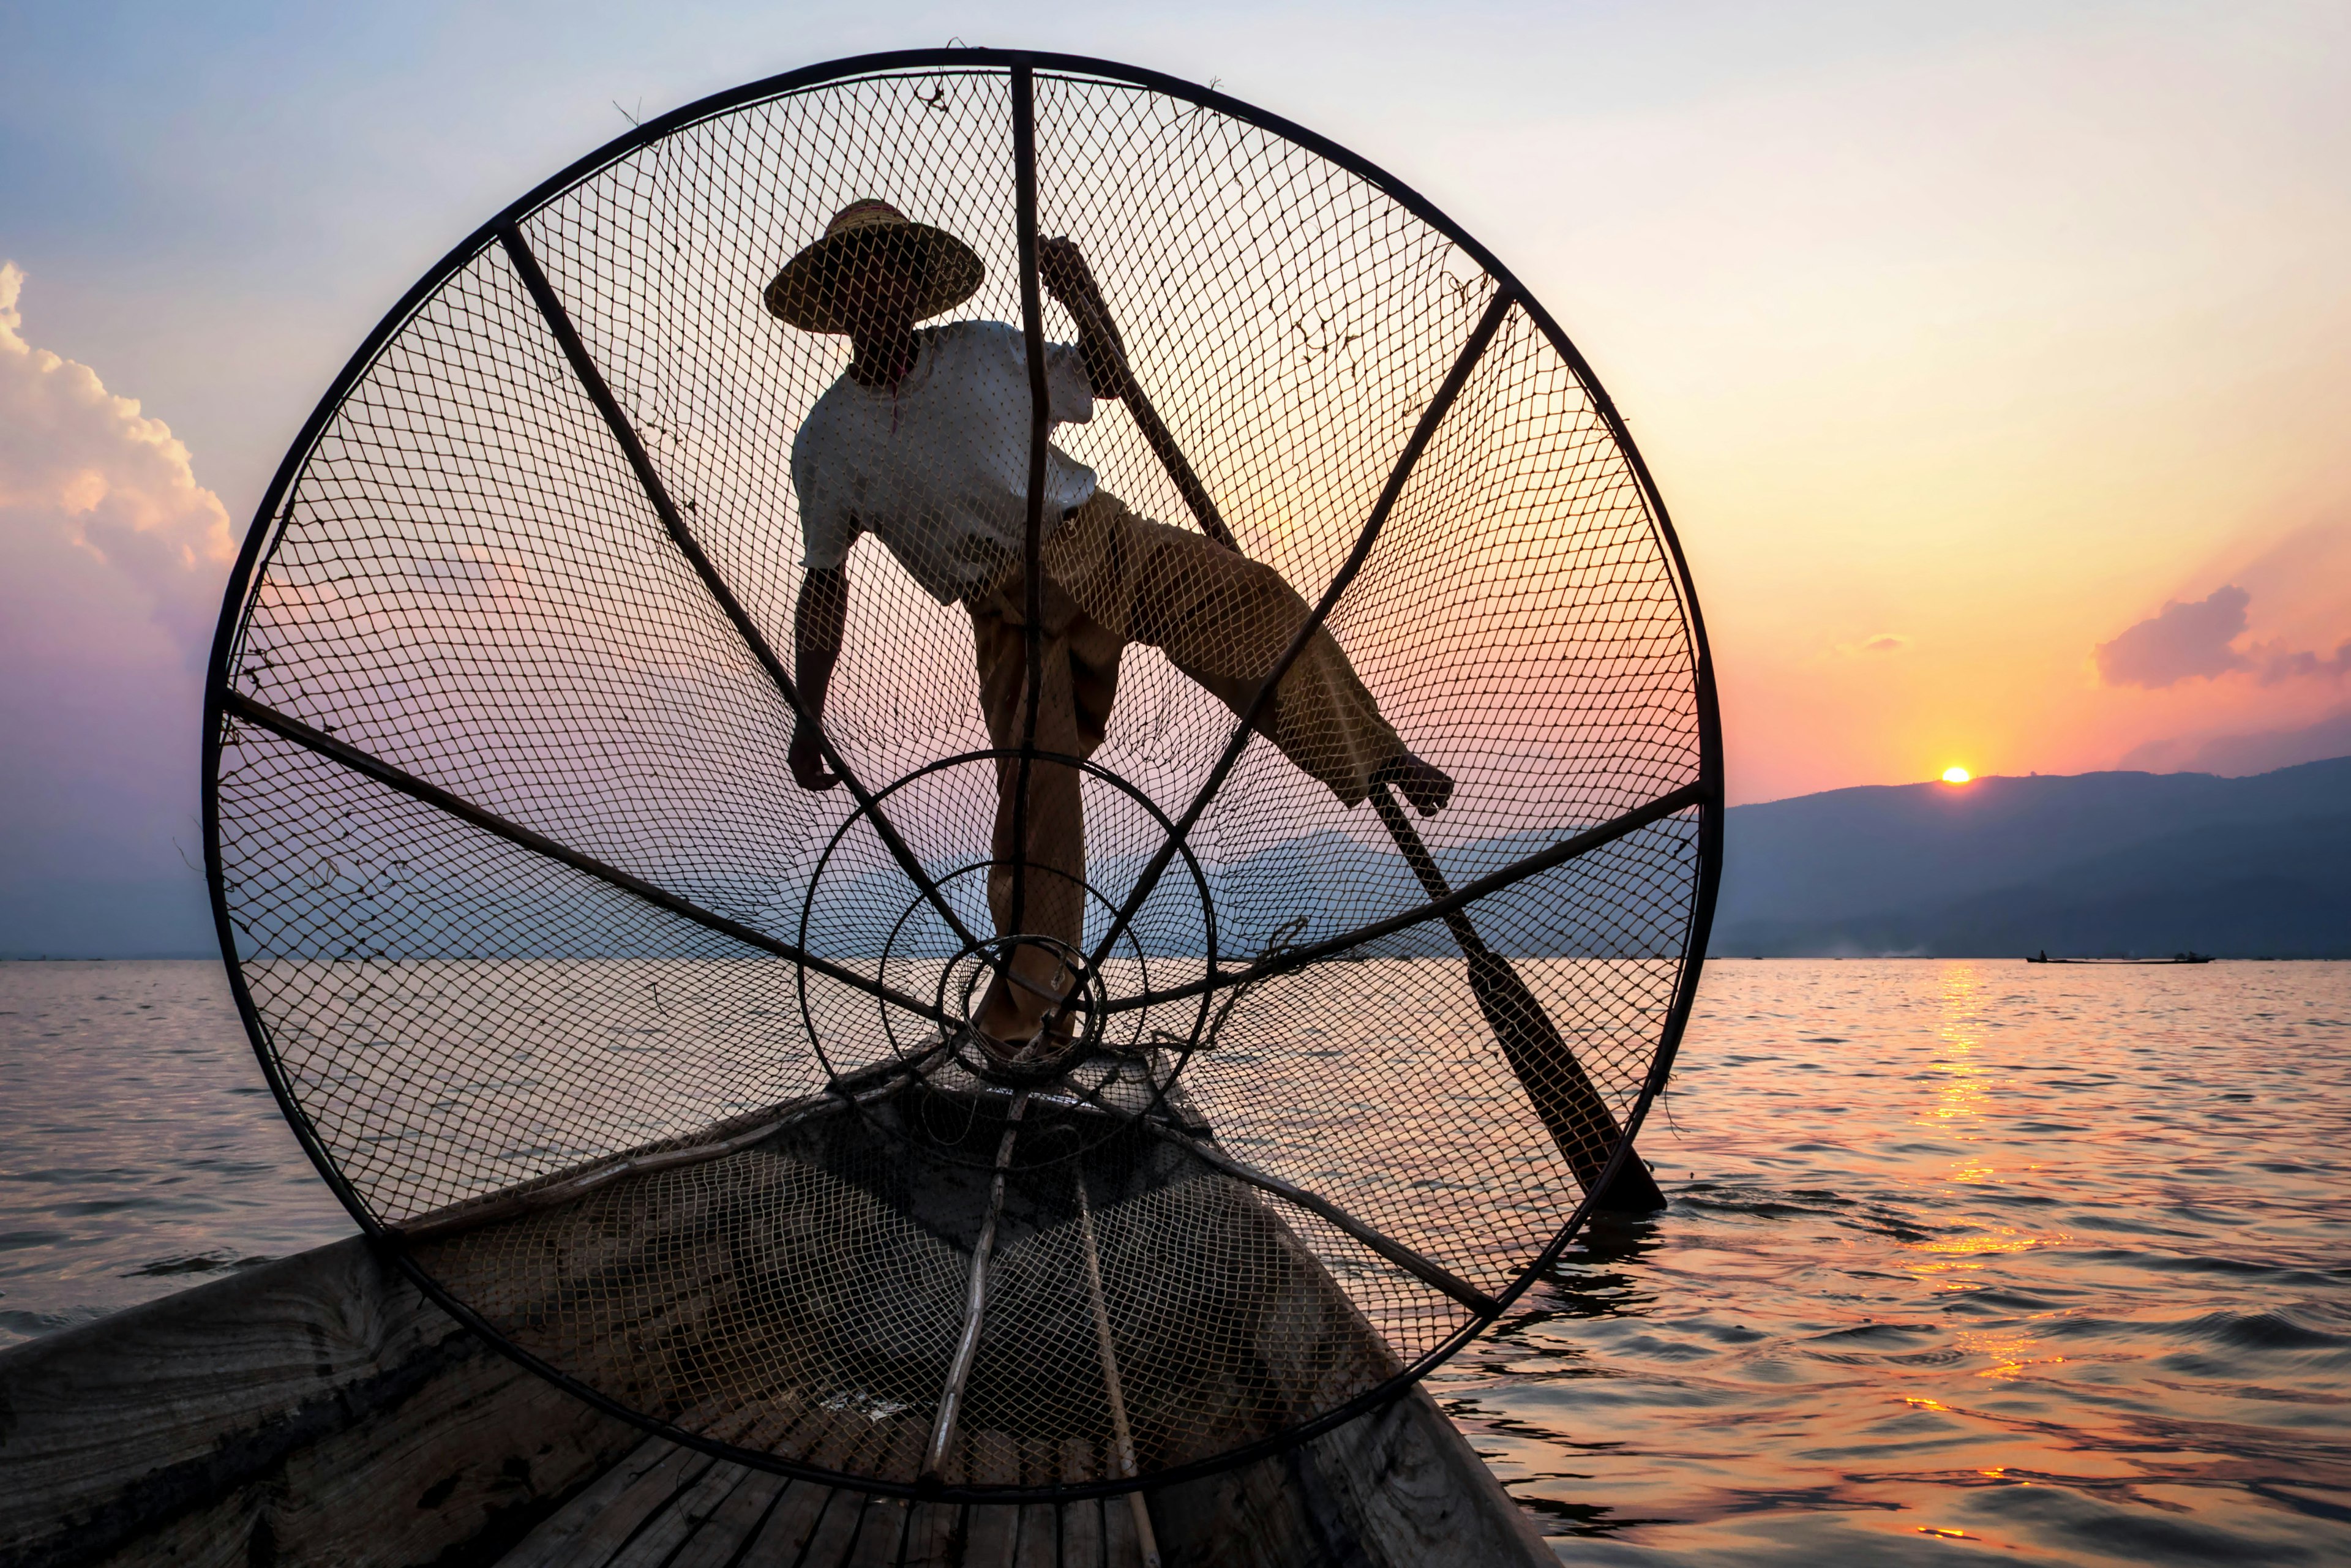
[[651, 1065]]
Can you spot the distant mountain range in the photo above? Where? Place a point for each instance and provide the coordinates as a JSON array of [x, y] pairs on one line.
[[2091, 864], [2084, 864]]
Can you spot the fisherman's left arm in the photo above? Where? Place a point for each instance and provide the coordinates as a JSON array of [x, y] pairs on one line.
[[1061, 268], [818, 622]]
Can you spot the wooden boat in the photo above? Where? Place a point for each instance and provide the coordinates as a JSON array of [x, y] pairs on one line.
[[319, 1409], [2176, 958]]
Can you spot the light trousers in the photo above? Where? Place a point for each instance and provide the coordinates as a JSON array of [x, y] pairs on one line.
[[1111, 577]]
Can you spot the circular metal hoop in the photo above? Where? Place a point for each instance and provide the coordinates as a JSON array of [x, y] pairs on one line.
[[503, 855]]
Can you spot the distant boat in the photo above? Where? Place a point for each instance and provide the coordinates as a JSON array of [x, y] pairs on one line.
[[2042, 958]]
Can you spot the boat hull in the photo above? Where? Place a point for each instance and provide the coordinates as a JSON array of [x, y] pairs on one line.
[[319, 1409]]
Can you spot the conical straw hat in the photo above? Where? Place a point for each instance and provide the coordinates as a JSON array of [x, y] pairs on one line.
[[811, 293]]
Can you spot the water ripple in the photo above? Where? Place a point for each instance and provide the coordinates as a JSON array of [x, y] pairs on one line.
[[1962, 1258], [139, 1151]]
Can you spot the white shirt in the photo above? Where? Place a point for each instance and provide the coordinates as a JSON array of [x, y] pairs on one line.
[[938, 467]]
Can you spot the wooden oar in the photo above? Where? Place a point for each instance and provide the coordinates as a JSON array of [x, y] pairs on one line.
[[1564, 1095], [1571, 1110]]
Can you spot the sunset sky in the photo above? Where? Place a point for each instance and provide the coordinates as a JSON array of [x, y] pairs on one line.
[[1994, 360]]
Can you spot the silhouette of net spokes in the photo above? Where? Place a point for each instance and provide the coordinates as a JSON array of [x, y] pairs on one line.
[[653, 1063]]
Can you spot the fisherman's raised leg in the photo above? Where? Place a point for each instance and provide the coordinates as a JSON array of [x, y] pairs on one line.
[[1225, 620]]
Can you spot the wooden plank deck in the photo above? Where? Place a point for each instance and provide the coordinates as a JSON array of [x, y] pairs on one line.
[[320, 1410], [1396, 1490]]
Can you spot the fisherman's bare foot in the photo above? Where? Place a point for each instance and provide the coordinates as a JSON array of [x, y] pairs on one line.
[[1425, 785], [1040, 1057], [1001, 1032], [1012, 1020], [1004, 1052], [1040, 1044]]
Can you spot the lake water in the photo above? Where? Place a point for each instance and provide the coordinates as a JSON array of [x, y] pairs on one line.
[[140, 1152], [1965, 1261]]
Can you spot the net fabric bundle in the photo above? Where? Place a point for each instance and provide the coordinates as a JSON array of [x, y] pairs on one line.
[[647, 1056]]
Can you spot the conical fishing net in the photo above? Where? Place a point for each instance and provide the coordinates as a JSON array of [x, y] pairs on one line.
[[682, 1081]]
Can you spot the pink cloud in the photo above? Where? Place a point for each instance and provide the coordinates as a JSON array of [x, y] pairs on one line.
[[112, 559], [80, 465], [2304, 665], [2179, 642], [2190, 641]]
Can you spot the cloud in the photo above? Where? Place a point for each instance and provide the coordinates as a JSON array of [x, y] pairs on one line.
[[112, 559], [2186, 642], [2298, 666], [81, 465], [1881, 644], [2180, 642]]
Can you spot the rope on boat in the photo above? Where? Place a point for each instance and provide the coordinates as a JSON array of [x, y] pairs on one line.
[[943, 1429], [1121, 1432]]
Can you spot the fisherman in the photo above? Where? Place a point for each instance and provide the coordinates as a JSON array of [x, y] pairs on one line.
[[925, 442]]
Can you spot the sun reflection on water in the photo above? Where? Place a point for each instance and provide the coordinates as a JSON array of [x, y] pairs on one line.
[[2007, 1351], [1958, 1082], [1969, 1254]]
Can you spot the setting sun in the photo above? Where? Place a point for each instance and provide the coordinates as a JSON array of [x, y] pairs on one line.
[[1956, 776]]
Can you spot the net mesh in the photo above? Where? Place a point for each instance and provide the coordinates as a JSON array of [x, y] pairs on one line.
[[658, 1063]]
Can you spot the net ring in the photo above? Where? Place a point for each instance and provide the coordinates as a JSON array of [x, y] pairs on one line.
[[570, 990], [1150, 1046], [967, 974]]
